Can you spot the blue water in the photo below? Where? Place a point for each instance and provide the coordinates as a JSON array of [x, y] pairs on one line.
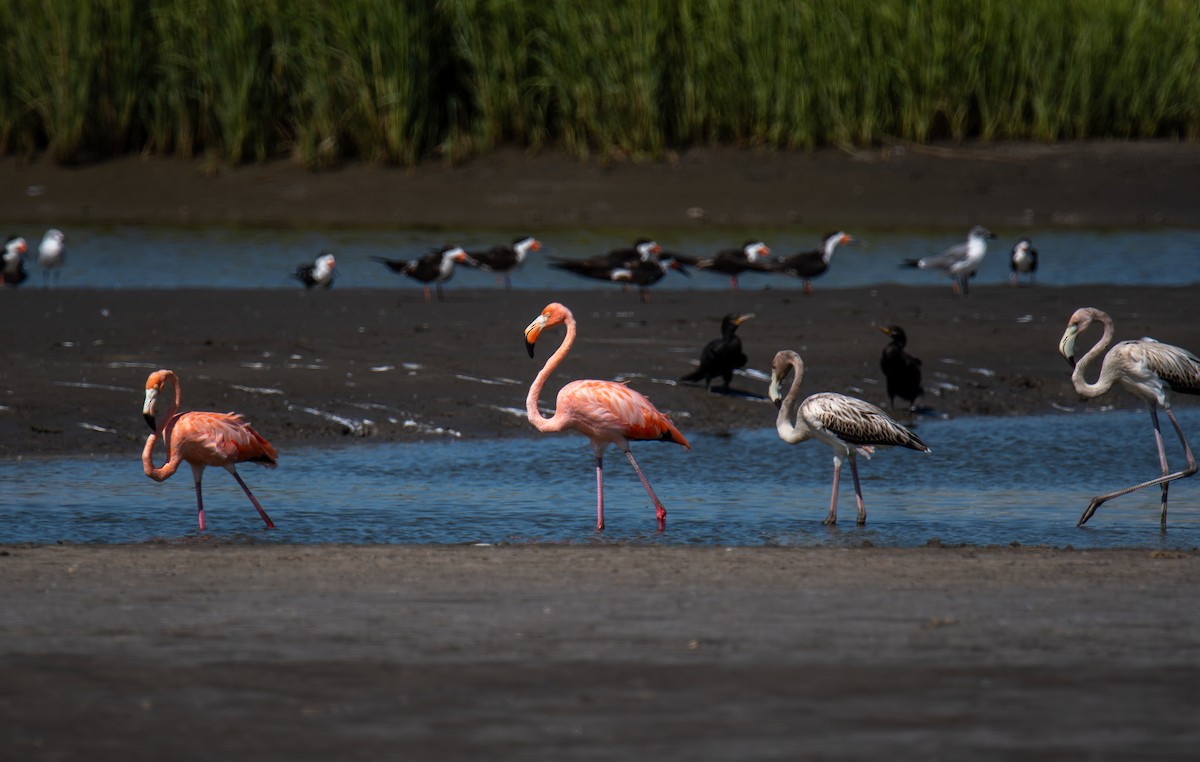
[[159, 257], [988, 481]]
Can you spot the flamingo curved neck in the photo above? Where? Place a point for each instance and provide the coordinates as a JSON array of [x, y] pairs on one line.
[[540, 422], [793, 428], [168, 469], [173, 409], [1106, 379]]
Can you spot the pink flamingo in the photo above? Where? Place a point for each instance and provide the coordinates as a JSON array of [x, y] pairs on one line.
[[202, 439], [1147, 369], [605, 412]]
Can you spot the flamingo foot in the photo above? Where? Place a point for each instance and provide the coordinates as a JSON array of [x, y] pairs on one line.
[[1091, 509]]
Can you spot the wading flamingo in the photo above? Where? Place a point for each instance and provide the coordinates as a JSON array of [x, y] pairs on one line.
[[1147, 369], [202, 439], [604, 411], [847, 424]]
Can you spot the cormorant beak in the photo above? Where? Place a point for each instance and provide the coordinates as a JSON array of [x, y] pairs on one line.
[[1066, 345], [532, 332], [885, 330], [743, 318]]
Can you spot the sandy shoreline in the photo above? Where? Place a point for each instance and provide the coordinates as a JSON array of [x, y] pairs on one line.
[[583, 653]]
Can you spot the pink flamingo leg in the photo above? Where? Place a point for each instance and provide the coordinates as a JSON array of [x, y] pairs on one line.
[[659, 511], [599, 492], [831, 519], [249, 494], [862, 507], [199, 506]]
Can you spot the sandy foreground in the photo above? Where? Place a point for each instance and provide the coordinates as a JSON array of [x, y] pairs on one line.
[[215, 651], [332, 652]]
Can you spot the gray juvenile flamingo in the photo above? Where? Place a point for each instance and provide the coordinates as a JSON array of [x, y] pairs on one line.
[[847, 424], [1147, 369], [604, 411]]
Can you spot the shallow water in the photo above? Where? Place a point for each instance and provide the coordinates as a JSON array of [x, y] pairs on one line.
[[162, 257], [988, 481]]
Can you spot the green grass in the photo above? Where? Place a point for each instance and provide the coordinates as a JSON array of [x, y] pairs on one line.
[[398, 82]]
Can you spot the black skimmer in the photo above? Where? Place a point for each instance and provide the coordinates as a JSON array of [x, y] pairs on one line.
[[1022, 260], [733, 262], [52, 255], [901, 370], [505, 259], [642, 250], [435, 267], [811, 264], [721, 357], [13, 273], [320, 273], [637, 271], [645, 273], [961, 261]]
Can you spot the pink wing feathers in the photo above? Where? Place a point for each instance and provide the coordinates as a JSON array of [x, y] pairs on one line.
[[219, 439], [602, 408]]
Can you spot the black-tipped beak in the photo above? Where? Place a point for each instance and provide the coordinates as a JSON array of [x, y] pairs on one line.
[[150, 421], [1071, 360], [529, 348]]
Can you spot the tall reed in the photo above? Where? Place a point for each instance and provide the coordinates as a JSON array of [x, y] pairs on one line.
[[394, 82]]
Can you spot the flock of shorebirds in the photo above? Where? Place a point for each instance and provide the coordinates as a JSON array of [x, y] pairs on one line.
[[646, 262], [611, 413], [642, 265]]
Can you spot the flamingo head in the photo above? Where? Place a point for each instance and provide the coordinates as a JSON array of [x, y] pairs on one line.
[[781, 367], [553, 314], [154, 384], [1079, 322]]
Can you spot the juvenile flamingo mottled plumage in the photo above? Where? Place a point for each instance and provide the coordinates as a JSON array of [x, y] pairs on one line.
[[201, 439], [1147, 369], [848, 425], [604, 411]]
